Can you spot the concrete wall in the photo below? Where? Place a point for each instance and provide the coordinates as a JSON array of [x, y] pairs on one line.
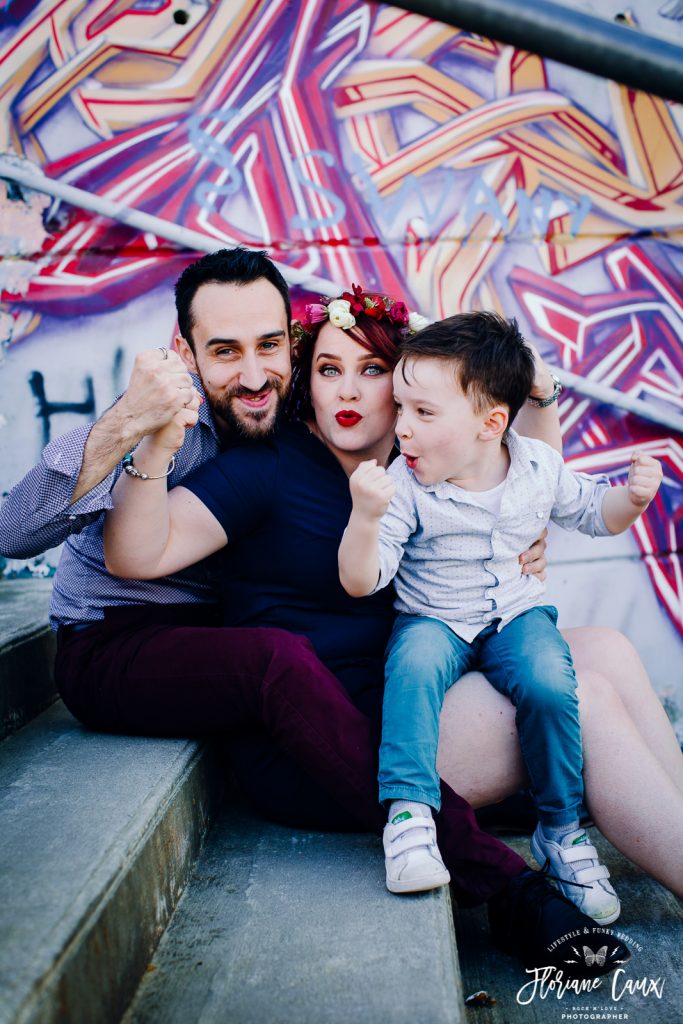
[[359, 143]]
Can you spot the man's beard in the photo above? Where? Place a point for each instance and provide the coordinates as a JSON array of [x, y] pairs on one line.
[[250, 424]]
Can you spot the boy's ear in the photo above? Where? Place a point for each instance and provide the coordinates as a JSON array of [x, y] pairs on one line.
[[185, 352], [494, 423]]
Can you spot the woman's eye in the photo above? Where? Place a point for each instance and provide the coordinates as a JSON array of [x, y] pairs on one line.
[[374, 370], [328, 371]]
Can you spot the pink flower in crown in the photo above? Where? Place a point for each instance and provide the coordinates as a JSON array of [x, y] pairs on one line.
[[314, 313], [398, 312]]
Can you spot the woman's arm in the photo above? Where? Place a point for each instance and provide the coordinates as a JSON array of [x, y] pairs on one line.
[[151, 532], [543, 424]]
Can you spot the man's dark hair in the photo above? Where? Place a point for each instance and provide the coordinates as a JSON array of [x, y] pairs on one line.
[[226, 266], [492, 362]]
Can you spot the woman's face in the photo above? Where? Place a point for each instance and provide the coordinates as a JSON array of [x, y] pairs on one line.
[[352, 397]]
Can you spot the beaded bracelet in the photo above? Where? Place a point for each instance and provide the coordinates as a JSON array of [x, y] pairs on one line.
[[129, 468]]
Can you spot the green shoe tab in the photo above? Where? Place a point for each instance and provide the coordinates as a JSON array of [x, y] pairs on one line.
[[580, 839], [403, 816]]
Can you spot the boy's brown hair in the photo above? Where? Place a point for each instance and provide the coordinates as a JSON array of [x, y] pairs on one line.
[[492, 362]]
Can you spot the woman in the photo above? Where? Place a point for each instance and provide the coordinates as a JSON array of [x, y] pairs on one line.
[[283, 505]]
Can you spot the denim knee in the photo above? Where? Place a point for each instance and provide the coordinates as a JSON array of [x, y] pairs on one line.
[[420, 651], [549, 694]]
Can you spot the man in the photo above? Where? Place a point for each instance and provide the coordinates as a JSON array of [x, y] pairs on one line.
[[151, 657]]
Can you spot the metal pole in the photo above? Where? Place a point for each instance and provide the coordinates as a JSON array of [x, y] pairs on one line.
[[608, 396], [18, 170], [581, 40]]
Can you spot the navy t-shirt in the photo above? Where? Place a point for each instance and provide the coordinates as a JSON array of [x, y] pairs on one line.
[[284, 504]]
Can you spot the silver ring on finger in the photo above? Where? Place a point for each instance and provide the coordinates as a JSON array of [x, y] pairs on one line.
[[164, 351]]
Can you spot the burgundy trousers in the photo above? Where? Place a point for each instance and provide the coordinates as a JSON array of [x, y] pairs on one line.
[[173, 671]]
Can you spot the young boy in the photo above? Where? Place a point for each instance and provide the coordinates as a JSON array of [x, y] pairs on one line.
[[448, 520]]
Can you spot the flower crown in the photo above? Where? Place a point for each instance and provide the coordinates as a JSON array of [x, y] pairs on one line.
[[343, 312]]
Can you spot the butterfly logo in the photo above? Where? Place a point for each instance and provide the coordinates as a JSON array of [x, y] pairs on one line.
[[592, 959], [598, 958]]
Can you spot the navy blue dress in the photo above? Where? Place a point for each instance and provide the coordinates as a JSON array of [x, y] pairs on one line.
[[284, 504]]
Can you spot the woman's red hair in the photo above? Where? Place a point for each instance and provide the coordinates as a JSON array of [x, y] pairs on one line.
[[381, 337]]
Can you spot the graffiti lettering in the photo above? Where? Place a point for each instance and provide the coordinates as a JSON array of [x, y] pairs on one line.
[[46, 408], [118, 384], [210, 147], [482, 199], [387, 209], [474, 207], [215, 151], [533, 217], [339, 206], [530, 222]]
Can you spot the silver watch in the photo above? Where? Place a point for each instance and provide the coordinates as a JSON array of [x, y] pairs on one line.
[[543, 403]]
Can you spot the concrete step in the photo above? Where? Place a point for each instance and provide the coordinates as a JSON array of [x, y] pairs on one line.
[[98, 834], [294, 927], [650, 925], [27, 647]]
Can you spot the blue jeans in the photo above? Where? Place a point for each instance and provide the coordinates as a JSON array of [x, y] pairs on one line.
[[528, 661]]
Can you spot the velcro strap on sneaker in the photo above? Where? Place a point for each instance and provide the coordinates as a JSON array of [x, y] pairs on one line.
[[408, 835], [588, 875], [582, 852]]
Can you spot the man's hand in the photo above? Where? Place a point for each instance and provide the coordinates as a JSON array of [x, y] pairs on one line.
[[644, 477], [159, 387], [533, 561], [371, 490]]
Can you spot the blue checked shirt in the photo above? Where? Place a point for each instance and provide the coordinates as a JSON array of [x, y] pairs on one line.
[[36, 515], [454, 560]]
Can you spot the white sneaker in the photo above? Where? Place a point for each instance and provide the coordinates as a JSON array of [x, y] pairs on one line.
[[412, 858], [575, 869]]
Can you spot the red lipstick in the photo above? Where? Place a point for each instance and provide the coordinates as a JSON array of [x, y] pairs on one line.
[[348, 418]]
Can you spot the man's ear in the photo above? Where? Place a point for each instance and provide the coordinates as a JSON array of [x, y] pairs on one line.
[[186, 354], [494, 423]]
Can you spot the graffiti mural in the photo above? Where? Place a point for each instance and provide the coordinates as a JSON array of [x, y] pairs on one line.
[[362, 143]]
